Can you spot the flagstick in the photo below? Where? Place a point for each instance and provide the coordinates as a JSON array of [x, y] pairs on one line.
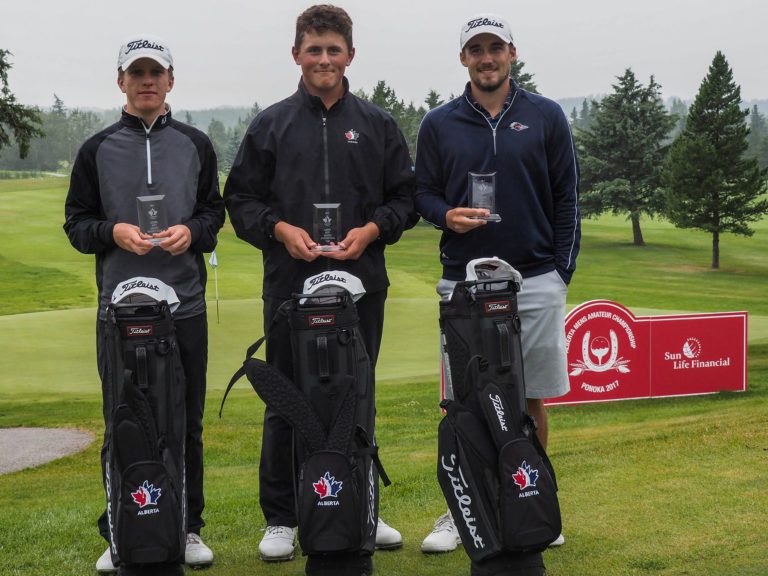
[[216, 283], [214, 262]]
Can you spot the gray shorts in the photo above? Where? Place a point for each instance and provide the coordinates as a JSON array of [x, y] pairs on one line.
[[541, 305]]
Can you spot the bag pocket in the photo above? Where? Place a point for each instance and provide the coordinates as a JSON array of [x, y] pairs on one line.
[[329, 504], [149, 528], [467, 477], [530, 511]]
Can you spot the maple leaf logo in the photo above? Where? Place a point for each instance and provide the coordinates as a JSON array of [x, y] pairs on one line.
[[525, 477], [140, 497], [146, 495], [327, 486]]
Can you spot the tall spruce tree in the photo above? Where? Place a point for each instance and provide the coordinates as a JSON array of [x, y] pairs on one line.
[[622, 153], [680, 110], [711, 184], [17, 122], [433, 100], [523, 79]]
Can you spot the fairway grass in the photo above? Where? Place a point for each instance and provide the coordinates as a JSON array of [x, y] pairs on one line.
[[651, 487]]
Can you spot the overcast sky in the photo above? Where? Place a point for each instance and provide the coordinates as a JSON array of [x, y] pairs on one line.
[[232, 52]]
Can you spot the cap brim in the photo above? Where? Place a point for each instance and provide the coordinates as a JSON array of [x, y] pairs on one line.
[[127, 64], [499, 36]]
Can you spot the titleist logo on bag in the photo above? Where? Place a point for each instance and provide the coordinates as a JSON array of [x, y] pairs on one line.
[[499, 307], [463, 499], [498, 405], [144, 330], [322, 320]]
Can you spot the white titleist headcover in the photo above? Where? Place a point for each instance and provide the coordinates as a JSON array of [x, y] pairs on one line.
[[329, 282], [489, 268], [482, 268], [152, 287]]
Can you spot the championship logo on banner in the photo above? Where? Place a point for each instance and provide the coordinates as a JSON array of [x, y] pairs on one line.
[[613, 355]]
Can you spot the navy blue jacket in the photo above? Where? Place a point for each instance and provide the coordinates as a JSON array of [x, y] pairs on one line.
[[537, 183]]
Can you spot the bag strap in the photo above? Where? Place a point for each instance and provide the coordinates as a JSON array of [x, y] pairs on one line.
[[343, 427], [323, 369], [241, 371], [504, 354], [142, 373], [282, 396], [370, 449], [529, 427]]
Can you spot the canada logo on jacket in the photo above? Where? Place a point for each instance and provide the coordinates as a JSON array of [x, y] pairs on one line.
[[352, 136]]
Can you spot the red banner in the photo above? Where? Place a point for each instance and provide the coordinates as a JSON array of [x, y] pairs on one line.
[[613, 355]]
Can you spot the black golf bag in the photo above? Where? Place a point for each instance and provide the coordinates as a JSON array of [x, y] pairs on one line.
[[144, 478], [330, 405], [497, 480]]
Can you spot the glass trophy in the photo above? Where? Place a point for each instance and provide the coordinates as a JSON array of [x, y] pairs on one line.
[[327, 228], [482, 194], [152, 215]]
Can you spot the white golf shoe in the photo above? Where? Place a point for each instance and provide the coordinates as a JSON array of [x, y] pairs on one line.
[[104, 563], [196, 553], [444, 536], [387, 538], [277, 544], [559, 541]]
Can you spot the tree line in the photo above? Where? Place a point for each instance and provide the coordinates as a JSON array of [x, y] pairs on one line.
[[701, 167]]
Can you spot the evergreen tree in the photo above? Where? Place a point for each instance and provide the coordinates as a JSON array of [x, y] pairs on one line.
[[57, 149], [583, 120], [433, 100], [711, 184], [80, 126], [252, 113], [188, 118], [17, 122], [384, 97], [523, 79], [217, 132], [622, 153], [679, 110], [758, 131]]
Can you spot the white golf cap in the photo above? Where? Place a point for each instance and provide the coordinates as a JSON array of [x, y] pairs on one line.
[[485, 24], [152, 287], [144, 46]]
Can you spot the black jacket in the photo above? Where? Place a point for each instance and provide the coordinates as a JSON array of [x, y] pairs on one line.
[[127, 160], [295, 154]]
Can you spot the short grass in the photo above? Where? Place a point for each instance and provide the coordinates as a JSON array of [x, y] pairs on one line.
[[662, 487]]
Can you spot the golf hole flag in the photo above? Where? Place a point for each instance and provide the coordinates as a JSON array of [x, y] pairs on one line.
[[614, 355]]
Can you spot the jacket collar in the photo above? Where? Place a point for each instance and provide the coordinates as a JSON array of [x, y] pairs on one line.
[[513, 87], [136, 123], [315, 101]]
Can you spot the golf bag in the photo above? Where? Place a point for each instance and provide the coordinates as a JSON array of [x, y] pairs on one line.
[[497, 480], [144, 477], [330, 405]]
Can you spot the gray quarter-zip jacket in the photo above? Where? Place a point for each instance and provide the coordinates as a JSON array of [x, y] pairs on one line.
[[129, 159]]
